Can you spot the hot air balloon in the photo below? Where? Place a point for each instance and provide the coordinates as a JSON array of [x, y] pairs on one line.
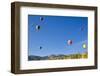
[[41, 18], [40, 47], [37, 27], [82, 28], [84, 46], [69, 42]]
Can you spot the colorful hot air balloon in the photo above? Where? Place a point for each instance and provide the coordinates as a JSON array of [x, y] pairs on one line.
[[37, 27], [69, 42], [84, 46], [41, 18]]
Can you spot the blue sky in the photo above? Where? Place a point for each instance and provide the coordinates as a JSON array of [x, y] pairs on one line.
[[54, 33]]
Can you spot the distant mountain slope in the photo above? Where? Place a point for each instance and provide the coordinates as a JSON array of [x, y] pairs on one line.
[[58, 57]]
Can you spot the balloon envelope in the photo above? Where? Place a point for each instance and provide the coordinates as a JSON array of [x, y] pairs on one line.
[[69, 42], [84, 46], [82, 28], [37, 27], [41, 18], [40, 47]]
